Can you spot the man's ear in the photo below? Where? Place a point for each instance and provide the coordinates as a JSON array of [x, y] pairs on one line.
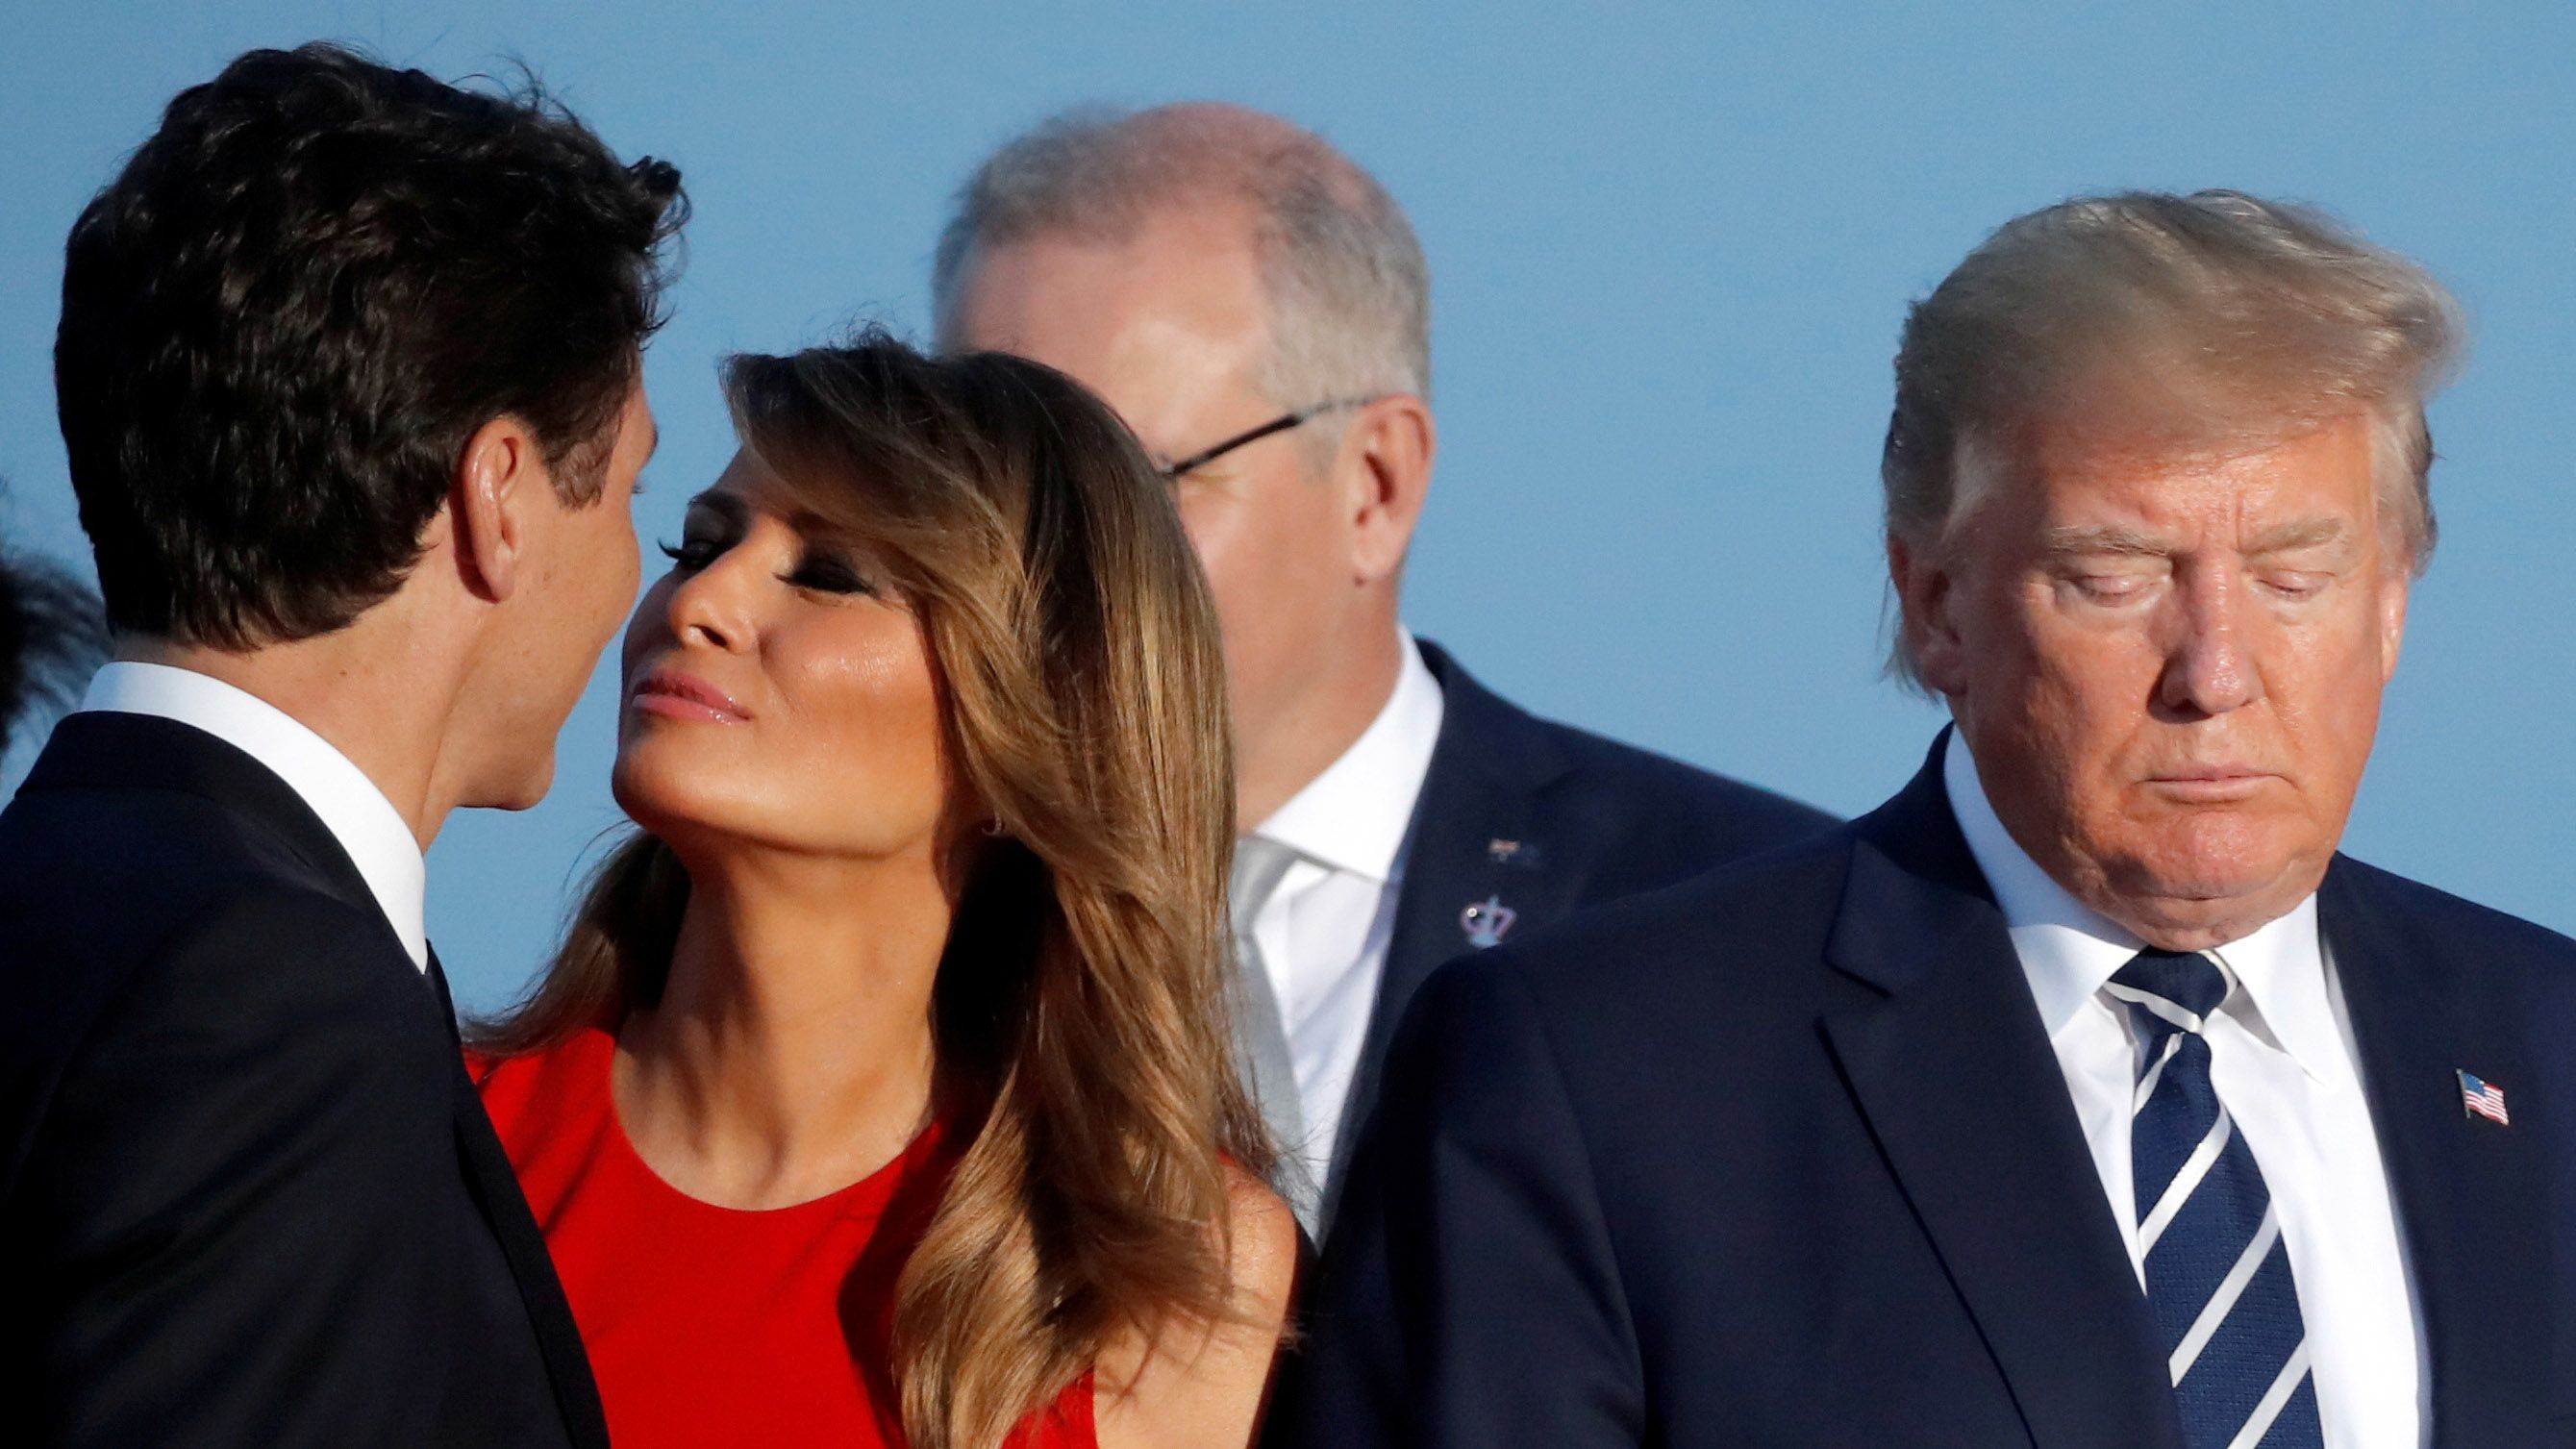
[[1925, 593], [1386, 460], [499, 471], [2392, 620]]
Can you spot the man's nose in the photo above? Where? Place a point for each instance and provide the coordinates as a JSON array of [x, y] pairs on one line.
[[2209, 666]]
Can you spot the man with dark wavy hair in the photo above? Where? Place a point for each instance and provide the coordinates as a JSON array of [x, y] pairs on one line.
[[349, 373]]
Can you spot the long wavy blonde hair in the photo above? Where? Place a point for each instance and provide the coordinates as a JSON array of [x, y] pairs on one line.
[[1080, 1006]]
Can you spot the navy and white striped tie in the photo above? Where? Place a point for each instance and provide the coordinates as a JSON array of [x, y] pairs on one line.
[[2218, 1274]]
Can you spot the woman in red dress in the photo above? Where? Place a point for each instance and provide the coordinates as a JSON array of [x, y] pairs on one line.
[[880, 1093]]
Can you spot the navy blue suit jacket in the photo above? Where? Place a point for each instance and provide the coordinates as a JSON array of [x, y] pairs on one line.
[[1525, 821], [1782, 1157], [248, 1195]]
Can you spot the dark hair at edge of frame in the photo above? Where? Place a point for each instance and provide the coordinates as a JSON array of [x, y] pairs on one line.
[[288, 313], [52, 636]]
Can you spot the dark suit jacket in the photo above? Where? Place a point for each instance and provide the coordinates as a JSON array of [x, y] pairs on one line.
[[248, 1196], [1524, 816], [1781, 1157]]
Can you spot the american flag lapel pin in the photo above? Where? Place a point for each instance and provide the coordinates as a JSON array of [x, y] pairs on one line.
[[2482, 1099]]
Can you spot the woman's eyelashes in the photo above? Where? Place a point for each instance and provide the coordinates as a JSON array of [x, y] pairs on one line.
[[827, 573], [692, 554], [818, 570]]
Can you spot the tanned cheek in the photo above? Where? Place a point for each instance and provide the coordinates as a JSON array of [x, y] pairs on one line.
[[2077, 729], [2310, 684]]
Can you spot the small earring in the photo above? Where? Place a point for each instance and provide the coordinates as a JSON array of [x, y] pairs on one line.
[[995, 829]]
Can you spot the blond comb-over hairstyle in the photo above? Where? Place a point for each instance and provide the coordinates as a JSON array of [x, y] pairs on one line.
[[1080, 1004], [2207, 320]]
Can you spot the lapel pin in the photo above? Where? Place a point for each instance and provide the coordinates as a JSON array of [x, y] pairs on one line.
[[1486, 922], [1524, 853], [2483, 1099]]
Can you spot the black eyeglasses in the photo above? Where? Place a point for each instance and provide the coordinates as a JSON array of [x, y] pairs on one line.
[[1279, 424]]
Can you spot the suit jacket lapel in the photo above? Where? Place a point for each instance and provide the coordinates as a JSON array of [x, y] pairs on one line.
[[1474, 842], [495, 1185], [1967, 1101], [113, 751], [2472, 1196]]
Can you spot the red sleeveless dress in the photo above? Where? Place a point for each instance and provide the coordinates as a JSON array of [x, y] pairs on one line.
[[711, 1327]]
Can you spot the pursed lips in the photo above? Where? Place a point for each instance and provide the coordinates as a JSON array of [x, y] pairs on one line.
[[677, 694]]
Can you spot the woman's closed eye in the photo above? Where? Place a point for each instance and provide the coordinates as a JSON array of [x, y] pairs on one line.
[[711, 532], [827, 573]]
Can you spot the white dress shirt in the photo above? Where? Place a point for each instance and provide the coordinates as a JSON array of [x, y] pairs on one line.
[[1323, 929], [2282, 1059], [357, 814]]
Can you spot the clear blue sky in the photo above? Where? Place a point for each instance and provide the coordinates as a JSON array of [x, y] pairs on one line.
[[1671, 245]]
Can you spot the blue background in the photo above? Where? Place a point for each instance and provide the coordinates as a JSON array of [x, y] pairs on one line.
[[1671, 246]]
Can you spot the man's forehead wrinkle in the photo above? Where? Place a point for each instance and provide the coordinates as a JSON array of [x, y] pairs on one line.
[[2079, 538], [2297, 533], [2236, 506], [2108, 424], [1163, 350]]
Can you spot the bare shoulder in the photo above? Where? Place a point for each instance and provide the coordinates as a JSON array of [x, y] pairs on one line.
[[1203, 1385], [1264, 1246]]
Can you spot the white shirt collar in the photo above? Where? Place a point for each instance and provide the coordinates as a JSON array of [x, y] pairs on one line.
[[1353, 816], [2069, 950], [357, 814]]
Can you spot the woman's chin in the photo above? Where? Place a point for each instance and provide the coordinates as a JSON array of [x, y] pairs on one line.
[[671, 808]]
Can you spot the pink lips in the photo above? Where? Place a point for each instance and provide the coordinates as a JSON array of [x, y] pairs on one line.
[[676, 695]]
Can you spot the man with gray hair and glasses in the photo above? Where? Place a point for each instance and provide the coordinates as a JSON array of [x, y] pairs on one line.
[[1256, 307], [2082, 1095]]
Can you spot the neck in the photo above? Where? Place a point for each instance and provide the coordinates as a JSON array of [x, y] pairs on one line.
[[336, 685], [1285, 757], [792, 1051]]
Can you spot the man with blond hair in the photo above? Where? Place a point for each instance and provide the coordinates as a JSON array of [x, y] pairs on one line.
[[1256, 307], [2083, 1094]]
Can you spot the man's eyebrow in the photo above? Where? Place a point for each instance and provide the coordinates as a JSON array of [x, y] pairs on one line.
[[2109, 538], [2305, 533]]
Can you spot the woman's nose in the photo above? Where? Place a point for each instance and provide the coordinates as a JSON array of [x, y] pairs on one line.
[[712, 606]]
